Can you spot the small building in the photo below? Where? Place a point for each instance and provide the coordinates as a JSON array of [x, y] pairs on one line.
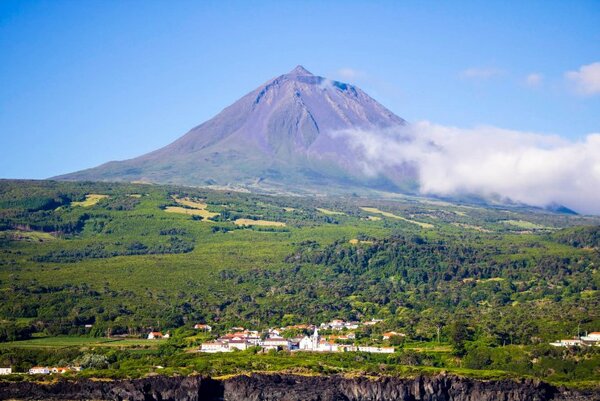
[[39, 370], [327, 346], [346, 348], [155, 335], [274, 333], [214, 346], [59, 370], [241, 344], [568, 343], [591, 338], [253, 339], [276, 343], [5, 371], [372, 322], [203, 327], [390, 334], [376, 350], [335, 324]]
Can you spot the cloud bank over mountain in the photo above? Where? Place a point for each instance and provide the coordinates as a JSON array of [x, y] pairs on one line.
[[487, 161]]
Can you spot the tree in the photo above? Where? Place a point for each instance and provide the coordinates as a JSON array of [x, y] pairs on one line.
[[93, 361], [458, 333]]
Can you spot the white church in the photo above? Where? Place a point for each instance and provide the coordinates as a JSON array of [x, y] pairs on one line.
[[316, 343]]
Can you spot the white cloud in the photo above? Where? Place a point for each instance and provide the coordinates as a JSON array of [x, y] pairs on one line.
[[534, 79], [586, 80], [481, 73], [524, 167], [350, 73]]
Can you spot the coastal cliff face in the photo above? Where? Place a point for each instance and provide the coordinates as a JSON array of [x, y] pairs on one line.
[[263, 387]]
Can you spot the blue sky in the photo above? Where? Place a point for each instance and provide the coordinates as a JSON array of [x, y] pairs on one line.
[[84, 82]]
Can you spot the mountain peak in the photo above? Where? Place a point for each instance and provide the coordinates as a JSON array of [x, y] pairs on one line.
[[299, 70], [282, 133]]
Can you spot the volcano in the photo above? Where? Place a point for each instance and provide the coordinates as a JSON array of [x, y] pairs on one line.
[[282, 135]]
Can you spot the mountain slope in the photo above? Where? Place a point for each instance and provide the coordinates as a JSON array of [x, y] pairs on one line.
[[282, 134]]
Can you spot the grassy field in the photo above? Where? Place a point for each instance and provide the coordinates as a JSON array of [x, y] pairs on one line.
[[30, 236], [391, 215], [330, 212], [250, 222], [527, 225], [90, 200], [80, 342]]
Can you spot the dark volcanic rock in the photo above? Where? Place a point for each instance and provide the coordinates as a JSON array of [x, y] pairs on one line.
[[191, 388], [261, 387]]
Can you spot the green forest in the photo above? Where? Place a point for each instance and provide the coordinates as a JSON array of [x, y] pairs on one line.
[[478, 289]]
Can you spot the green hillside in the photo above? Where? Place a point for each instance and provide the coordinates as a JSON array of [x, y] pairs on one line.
[[493, 284]]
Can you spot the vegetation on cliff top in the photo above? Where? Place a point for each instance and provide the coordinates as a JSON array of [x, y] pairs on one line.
[[124, 266]]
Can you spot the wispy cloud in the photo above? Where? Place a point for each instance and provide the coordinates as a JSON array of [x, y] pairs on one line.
[[481, 73], [350, 73], [525, 167], [534, 80], [586, 80]]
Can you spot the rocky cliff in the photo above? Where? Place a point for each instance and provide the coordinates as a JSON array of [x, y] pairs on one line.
[[263, 387]]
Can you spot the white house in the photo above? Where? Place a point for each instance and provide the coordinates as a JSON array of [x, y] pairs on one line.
[[325, 346], [592, 338], [372, 322], [214, 346], [5, 371], [253, 339], [39, 370], [567, 343], [377, 350], [274, 333], [155, 335], [390, 334], [335, 324], [239, 344], [275, 343], [204, 327]]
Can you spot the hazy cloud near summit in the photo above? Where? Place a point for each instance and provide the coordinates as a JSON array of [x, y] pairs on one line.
[[350, 73], [525, 167]]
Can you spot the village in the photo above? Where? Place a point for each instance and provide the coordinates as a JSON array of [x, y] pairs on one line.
[[297, 338], [339, 337], [241, 339]]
